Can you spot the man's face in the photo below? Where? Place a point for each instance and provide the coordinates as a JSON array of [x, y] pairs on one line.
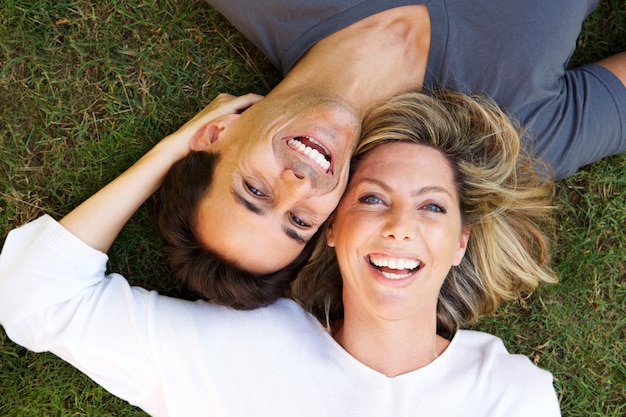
[[283, 168]]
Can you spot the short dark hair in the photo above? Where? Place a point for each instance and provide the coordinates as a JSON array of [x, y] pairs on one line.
[[203, 271]]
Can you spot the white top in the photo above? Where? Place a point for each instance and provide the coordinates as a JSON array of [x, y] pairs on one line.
[[174, 357]]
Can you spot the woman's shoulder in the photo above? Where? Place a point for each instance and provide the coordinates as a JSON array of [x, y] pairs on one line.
[[483, 359], [490, 352], [283, 317]]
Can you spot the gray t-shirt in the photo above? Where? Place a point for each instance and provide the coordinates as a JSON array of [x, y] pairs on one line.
[[514, 51]]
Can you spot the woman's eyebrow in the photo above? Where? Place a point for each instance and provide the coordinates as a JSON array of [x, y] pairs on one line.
[[431, 189], [423, 190]]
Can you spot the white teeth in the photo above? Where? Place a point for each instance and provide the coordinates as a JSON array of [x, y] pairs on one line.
[[395, 263], [406, 267], [390, 275], [318, 144], [312, 154]]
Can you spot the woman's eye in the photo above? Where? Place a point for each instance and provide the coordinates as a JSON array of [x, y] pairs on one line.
[[297, 220], [434, 208], [370, 199], [254, 190]]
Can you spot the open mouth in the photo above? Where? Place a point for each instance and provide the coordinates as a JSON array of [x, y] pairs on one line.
[[313, 150], [395, 268]]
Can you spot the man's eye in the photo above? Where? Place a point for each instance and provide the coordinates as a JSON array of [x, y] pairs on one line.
[[297, 220], [254, 190], [370, 199]]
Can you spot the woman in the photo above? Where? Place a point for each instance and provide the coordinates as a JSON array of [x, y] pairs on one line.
[[503, 202], [403, 224]]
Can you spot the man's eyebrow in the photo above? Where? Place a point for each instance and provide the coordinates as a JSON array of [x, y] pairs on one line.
[[247, 204], [257, 210], [294, 235]]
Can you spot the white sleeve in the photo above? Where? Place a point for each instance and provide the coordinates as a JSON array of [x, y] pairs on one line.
[[526, 389], [502, 384], [537, 397], [55, 296]]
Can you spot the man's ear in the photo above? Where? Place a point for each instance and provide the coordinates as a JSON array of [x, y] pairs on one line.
[[208, 134]]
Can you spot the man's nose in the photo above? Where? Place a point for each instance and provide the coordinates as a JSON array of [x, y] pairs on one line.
[[295, 184], [290, 174]]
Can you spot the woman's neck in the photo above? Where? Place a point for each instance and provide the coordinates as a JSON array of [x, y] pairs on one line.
[[390, 347]]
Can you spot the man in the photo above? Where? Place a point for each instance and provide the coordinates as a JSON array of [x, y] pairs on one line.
[[283, 163]]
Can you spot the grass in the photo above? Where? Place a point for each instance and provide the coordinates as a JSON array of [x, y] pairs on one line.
[[87, 88]]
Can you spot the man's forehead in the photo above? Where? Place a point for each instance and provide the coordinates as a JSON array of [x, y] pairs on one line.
[[254, 242]]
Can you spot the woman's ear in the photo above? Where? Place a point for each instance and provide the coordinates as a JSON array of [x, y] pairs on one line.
[[328, 229], [463, 239], [208, 134]]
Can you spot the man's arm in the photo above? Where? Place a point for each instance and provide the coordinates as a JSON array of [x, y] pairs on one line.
[[99, 219], [616, 64]]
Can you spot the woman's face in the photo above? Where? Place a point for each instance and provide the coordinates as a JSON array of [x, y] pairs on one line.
[[397, 232]]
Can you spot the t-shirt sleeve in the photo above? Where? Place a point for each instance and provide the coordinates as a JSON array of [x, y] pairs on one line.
[[504, 384], [534, 389], [55, 296], [587, 122]]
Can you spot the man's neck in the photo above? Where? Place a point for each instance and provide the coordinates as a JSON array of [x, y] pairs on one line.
[[370, 61]]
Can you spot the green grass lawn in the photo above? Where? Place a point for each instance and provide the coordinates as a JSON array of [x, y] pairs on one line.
[[86, 88]]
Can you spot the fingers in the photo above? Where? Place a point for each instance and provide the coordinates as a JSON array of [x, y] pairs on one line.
[[247, 100], [228, 104], [239, 102], [225, 104]]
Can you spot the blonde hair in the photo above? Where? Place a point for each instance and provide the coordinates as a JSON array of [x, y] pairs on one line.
[[503, 199]]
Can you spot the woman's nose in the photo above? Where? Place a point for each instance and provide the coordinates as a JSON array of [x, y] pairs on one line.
[[400, 225]]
